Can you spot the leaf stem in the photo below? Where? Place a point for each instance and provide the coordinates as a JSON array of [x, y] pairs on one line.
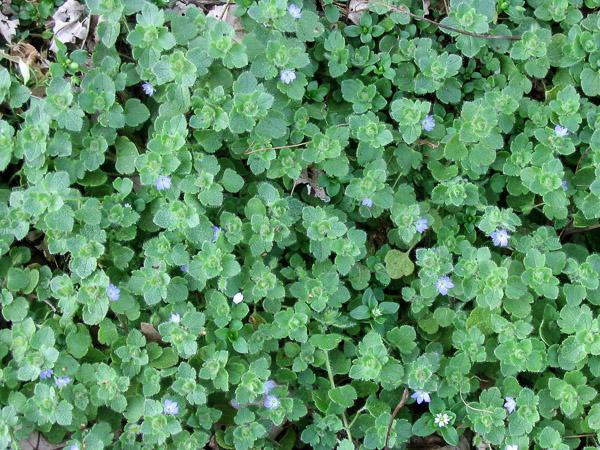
[[394, 414], [332, 382]]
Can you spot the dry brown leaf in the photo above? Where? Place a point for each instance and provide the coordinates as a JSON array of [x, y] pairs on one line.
[[426, 4], [226, 12], [8, 28], [70, 23], [150, 332], [312, 182], [356, 9]]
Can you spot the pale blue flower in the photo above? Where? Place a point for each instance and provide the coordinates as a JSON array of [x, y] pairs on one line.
[[367, 202], [61, 382], [163, 182], [184, 268], [269, 386], [287, 76], [271, 402], [443, 285], [170, 407], [148, 88], [564, 185], [510, 405], [295, 11], [46, 374], [174, 318], [428, 123], [421, 396], [216, 230], [74, 447], [113, 293], [235, 404], [500, 238], [512, 447], [422, 225], [561, 131]]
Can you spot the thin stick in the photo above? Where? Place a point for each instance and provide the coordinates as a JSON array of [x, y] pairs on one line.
[[402, 9], [394, 414], [249, 151], [583, 155], [50, 305], [582, 230]]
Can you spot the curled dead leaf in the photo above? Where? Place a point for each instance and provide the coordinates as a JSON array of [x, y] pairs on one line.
[[71, 22], [356, 9], [312, 181], [8, 28]]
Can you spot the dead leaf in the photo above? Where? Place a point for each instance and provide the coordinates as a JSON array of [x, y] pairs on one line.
[[36, 441], [312, 182], [150, 332], [426, 4], [226, 12], [356, 9], [70, 23], [8, 28]]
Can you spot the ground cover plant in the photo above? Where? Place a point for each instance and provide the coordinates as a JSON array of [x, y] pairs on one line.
[[275, 225]]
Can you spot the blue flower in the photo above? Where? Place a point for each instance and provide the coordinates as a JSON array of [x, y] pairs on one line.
[[174, 318], [421, 396], [561, 131], [170, 408], [61, 382], [295, 11], [500, 238], [271, 402], [428, 123], [422, 225], [268, 386], [74, 447], [564, 185], [287, 76], [510, 405], [367, 202], [443, 285], [46, 374], [113, 293], [184, 268], [235, 404], [148, 88], [216, 230], [163, 182]]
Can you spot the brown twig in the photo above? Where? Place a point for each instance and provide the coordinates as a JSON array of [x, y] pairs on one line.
[[394, 414], [404, 10], [582, 230], [574, 436], [250, 151]]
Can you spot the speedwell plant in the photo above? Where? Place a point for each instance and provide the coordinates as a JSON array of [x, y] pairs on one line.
[[280, 225]]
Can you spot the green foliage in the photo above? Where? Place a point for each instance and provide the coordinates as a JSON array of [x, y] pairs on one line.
[[257, 227]]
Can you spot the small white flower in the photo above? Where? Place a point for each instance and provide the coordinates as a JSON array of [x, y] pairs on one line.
[[175, 318], [238, 298], [512, 447], [295, 11], [287, 76], [441, 419]]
